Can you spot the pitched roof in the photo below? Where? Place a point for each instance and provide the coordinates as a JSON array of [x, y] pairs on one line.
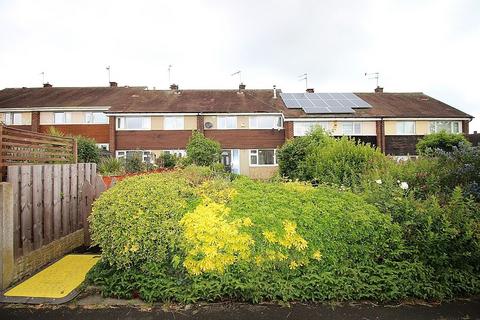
[[139, 100], [393, 105]]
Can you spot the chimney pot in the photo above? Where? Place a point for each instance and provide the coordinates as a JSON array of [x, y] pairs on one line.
[[174, 87], [274, 92], [379, 89], [310, 90], [241, 87], [47, 85], [113, 84]]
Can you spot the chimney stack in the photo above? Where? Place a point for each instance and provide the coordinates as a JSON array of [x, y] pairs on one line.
[[379, 89], [174, 87], [113, 84], [241, 87], [47, 85], [310, 90]]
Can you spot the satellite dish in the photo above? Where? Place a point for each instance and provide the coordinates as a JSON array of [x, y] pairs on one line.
[[208, 125]]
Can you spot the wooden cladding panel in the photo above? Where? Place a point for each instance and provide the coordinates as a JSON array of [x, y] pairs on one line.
[[47, 202], [401, 145], [98, 132], [247, 139]]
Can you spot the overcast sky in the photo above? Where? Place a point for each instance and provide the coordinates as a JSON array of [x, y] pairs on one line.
[[429, 46]]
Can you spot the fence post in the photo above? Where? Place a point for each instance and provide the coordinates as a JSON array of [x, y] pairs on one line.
[[6, 237], [75, 151]]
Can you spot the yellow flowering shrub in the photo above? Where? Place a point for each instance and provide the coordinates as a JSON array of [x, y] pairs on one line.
[[218, 190], [212, 242]]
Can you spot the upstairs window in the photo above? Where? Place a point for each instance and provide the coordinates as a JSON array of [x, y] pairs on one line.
[[265, 122], [351, 128], [174, 123], [263, 157], [302, 128], [406, 127], [96, 117], [62, 118], [13, 118], [447, 126], [133, 123], [224, 122]]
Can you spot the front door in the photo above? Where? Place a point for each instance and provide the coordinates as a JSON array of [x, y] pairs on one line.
[[231, 160]]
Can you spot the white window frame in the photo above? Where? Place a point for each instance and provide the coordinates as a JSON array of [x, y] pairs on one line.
[[176, 152], [435, 124], [302, 128], [13, 118], [255, 152], [66, 118], [276, 122], [226, 122], [90, 117], [121, 123], [401, 125], [122, 154], [174, 123], [353, 124]]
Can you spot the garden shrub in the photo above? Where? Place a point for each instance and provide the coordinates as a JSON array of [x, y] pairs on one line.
[[185, 237], [441, 140], [134, 163], [203, 151], [166, 160], [110, 166], [87, 150]]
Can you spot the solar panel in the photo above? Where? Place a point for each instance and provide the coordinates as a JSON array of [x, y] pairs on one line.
[[324, 102]]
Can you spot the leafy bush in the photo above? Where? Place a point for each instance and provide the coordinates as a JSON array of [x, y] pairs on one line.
[[87, 150], [134, 163], [166, 237], [325, 159], [441, 140], [111, 166], [166, 160], [203, 151]]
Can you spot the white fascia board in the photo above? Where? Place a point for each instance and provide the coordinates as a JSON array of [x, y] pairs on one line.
[[47, 109], [329, 119], [427, 119]]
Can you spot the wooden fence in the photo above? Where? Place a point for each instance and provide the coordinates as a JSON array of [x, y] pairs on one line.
[[48, 202], [19, 146]]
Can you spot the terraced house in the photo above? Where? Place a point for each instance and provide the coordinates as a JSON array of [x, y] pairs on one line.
[[249, 124]]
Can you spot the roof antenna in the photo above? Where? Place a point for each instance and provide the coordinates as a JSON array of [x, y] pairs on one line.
[[108, 69], [43, 77], [373, 75], [239, 72], [169, 73], [304, 77]]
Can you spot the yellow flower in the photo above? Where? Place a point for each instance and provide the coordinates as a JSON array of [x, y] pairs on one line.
[[270, 236], [293, 265], [317, 255], [247, 222]]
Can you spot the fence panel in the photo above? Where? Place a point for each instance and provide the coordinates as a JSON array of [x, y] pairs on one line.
[[46, 202]]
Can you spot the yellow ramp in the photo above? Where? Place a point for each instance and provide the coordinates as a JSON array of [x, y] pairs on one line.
[[58, 280]]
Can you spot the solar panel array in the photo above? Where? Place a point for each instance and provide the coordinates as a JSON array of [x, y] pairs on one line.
[[324, 102]]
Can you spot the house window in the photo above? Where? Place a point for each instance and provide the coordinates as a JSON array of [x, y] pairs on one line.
[[178, 153], [265, 122], [227, 122], [133, 123], [147, 156], [303, 128], [351, 128], [447, 126], [13, 118], [96, 117], [103, 146], [173, 123], [406, 127], [62, 118], [263, 157]]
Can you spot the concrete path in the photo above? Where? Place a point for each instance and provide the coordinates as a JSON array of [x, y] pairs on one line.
[[460, 309]]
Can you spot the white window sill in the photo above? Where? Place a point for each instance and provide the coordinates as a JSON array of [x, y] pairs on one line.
[[263, 165]]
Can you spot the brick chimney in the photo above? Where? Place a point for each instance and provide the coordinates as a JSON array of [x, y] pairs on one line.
[[241, 87], [311, 90], [379, 89], [113, 84], [47, 85], [174, 87]]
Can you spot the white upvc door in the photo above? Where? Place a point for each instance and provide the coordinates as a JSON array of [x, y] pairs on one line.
[[236, 161]]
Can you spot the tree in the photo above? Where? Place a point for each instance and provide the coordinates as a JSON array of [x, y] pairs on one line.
[[441, 140], [203, 151]]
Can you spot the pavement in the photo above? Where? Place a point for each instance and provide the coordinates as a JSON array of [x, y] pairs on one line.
[[96, 307]]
